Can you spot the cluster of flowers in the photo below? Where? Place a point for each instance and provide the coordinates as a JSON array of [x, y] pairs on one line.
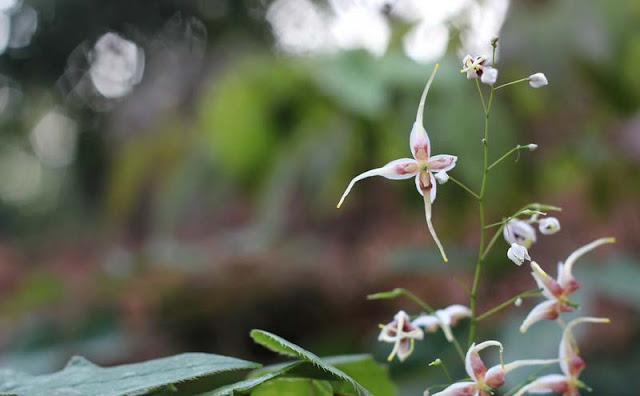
[[520, 235]]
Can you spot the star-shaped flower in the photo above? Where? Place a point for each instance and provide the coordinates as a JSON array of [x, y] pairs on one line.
[[422, 166], [402, 333], [557, 291], [571, 365]]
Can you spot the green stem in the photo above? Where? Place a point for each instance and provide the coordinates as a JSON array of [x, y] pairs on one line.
[[507, 154], [464, 187], [492, 242], [402, 292], [527, 294], [485, 171], [456, 344], [484, 106], [512, 82]]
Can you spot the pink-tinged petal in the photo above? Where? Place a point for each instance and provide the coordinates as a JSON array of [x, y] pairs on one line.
[[496, 374], [405, 348], [404, 168], [565, 278], [544, 310], [429, 322], [464, 388], [473, 363], [420, 143], [419, 140], [550, 288], [520, 232], [567, 347], [434, 187], [546, 384], [442, 162]]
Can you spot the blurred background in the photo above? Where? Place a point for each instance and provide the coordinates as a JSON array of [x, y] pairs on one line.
[[169, 171]]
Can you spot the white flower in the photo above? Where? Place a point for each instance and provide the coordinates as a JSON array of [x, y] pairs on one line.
[[483, 381], [422, 166], [518, 254], [478, 67], [549, 225], [532, 146], [444, 319], [489, 76], [520, 232], [442, 177], [402, 333], [557, 291], [538, 80], [571, 365]]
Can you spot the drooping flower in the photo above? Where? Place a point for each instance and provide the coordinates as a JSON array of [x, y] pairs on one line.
[[518, 254], [520, 232], [538, 80], [422, 166], [478, 67], [484, 381], [444, 319], [571, 365], [557, 291], [402, 333], [549, 225]]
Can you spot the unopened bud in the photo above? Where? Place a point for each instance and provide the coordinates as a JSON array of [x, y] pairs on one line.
[[532, 146], [518, 302]]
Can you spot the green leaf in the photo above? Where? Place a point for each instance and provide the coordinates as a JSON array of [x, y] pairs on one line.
[[294, 386], [364, 370], [248, 384], [284, 347], [81, 377]]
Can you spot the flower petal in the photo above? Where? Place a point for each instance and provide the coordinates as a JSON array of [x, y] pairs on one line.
[[489, 75], [473, 363], [546, 384], [544, 310], [429, 322], [565, 278], [550, 288], [549, 225], [567, 349], [442, 162], [404, 168], [427, 212], [538, 80], [456, 312], [520, 232], [464, 388]]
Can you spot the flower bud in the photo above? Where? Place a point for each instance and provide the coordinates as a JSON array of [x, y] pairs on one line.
[[538, 80], [532, 146], [518, 302], [549, 225], [489, 75], [519, 232], [518, 254], [441, 177]]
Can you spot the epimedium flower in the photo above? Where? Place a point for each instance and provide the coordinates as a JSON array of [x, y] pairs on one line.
[[557, 291], [571, 365], [444, 319], [519, 232], [478, 67], [422, 166], [538, 80], [402, 333], [549, 225], [484, 381], [518, 254]]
